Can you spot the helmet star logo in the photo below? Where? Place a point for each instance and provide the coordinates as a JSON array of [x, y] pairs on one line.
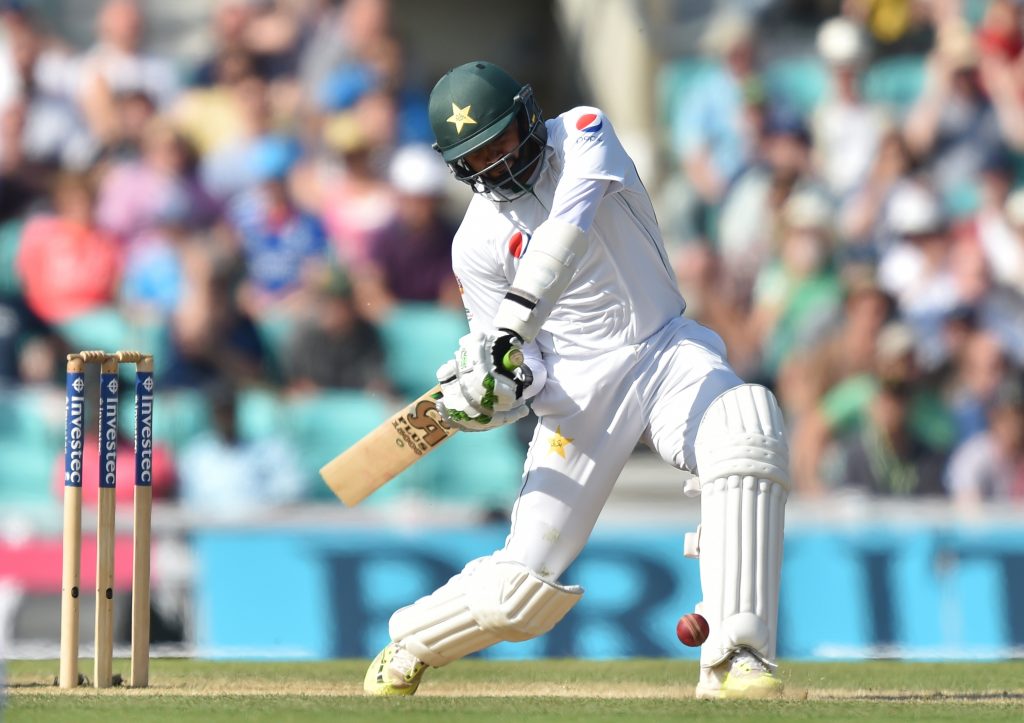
[[558, 443], [460, 117]]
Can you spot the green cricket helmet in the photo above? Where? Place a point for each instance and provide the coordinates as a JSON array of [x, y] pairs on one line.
[[472, 105]]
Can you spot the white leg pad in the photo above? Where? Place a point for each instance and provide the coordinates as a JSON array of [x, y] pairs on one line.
[[743, 460], [488, 602]]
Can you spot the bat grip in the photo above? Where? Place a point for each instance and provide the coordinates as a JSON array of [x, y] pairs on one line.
[[512, 360]]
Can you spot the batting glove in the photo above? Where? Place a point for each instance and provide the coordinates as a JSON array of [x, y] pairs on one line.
[[482, 373], [465, 414]]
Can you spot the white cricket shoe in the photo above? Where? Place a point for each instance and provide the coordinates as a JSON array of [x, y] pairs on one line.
[[741, 675], [395, 671]]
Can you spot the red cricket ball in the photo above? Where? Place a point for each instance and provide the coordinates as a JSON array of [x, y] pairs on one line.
[[692, 629]]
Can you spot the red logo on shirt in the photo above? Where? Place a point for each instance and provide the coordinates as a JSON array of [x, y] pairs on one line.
[[518, 243], [589, 123]]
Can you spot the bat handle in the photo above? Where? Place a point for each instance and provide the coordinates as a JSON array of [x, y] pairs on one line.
[[513, 359]]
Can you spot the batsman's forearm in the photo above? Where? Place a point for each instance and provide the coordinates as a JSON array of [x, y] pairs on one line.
[[544, 273]]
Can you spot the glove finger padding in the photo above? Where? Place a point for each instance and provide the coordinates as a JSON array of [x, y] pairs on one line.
[[482, 422], [483, 378], [453, 397]]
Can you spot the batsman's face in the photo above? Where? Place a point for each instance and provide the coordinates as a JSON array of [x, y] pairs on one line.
[[506, 144]]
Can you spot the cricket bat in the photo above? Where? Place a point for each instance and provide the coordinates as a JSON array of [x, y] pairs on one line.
[[394, 446]]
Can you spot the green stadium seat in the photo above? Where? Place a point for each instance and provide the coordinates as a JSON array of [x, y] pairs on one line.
[[102, 328], [895, 81], [10, 242], [179, 415], [151, 336], [275, 332], [480, 469], [799, 83], [324, 425], [31, 441], [418, 338], [260, 413]]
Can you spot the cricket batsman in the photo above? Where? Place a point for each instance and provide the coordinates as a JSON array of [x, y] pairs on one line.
[[560, 256]]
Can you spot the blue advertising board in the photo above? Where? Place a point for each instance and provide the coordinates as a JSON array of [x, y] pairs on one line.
[[926, 593]]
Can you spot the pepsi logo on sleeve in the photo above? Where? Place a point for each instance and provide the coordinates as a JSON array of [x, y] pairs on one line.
[[589, 123], [518, 243]]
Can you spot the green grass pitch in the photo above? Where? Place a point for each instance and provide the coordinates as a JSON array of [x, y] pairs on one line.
[[550, 690]]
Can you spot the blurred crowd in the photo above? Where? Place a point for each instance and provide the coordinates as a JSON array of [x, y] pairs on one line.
[[256, 217], [250, 217], [863, 253]]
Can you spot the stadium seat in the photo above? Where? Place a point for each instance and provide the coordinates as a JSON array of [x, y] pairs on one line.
[[895, 81], [417, 339], [151, 336], [178, 416], [10, 241], [102, 328], [323, 425], [485, 470], [31, 441], [260, 413], [798, 83]]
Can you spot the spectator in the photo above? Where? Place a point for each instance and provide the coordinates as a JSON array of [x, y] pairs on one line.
[[266, 33], [381, 79], [50, 132], [751, 212], [999, 31], [1010, 270], [713, 135], [340, 35], [847, 351], [847, 130], [356, 204], [277, 240], [231, 144], [20, 181], [997, 308], [134, 111], [68, 266], [990, 465], [980, 370], [273, 35], [226, 476], [863, 219], [796, 296], [135, 194], [410, 260], [231, 108], [884, 455], [843, 410], [999, 42], [953, 126], [116, 64], [333, 346], [210, 336], [898, 27], [230, 22], [918, 269], [990, 228]]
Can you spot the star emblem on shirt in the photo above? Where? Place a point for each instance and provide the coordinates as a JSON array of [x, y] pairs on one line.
[[460, 117], [559, 442]]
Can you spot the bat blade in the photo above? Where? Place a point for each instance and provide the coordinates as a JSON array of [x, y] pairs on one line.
[[388, 450]]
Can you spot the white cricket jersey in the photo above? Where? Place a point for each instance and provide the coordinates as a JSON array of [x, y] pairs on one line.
[[623, 289]]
